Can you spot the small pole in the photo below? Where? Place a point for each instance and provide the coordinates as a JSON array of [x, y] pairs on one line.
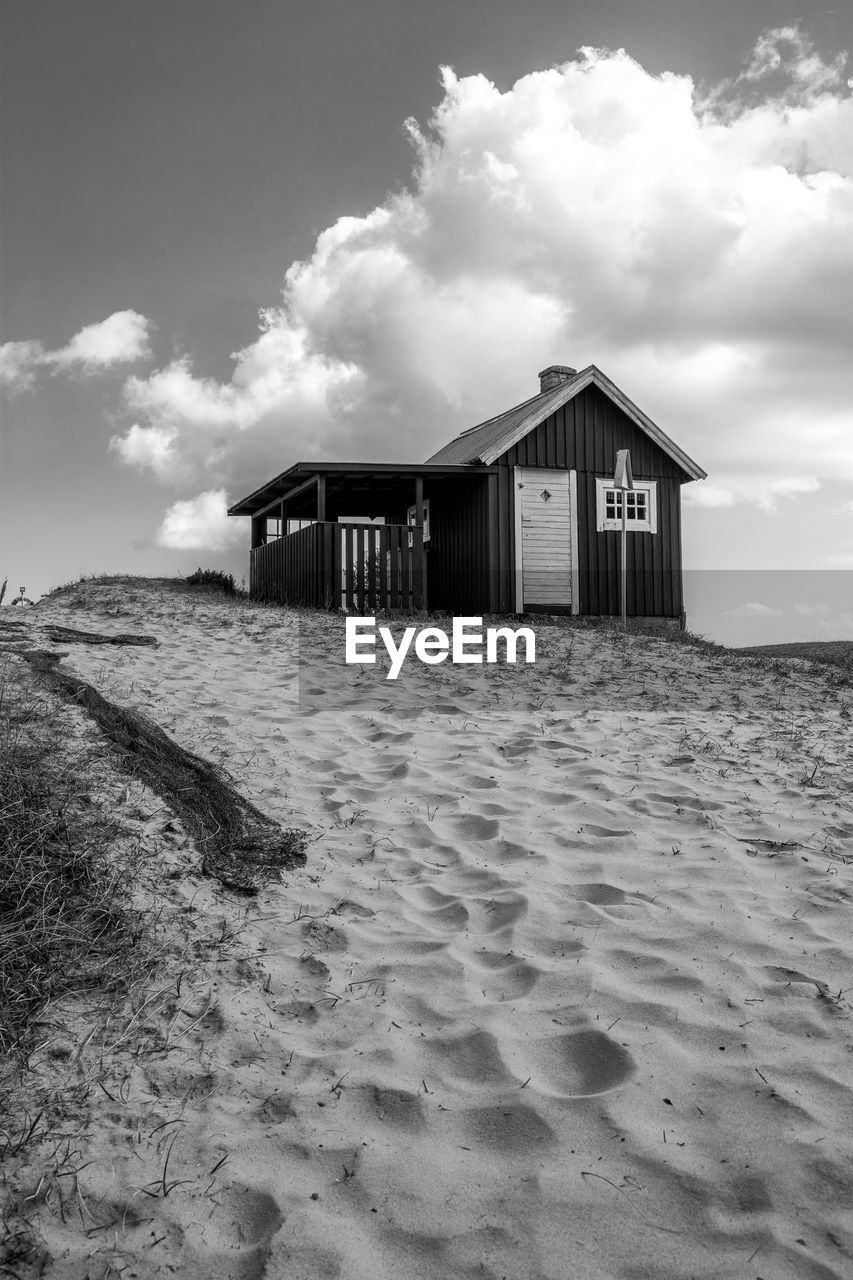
[[623, 576], [623, 480]]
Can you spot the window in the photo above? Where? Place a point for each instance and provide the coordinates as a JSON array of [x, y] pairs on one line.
[[410, 519], [641, 506]]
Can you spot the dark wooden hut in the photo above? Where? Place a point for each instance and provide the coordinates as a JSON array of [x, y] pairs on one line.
[[518, 514]]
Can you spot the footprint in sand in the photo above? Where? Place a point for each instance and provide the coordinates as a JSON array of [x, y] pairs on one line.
[[471, 826], [442, 911], [507, 1130], [237, 1233], [502, 977], [495, 914], [275, 1109], [323, 937], [687, 801], [397, 1108], [473, 1056], [354, 910], [598, 895], [580, 1064], [788, 976]]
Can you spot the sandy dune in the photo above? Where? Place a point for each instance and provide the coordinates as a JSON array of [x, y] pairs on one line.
[[562, 992]]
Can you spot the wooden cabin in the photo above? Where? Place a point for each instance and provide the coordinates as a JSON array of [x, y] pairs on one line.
[[516, 515]]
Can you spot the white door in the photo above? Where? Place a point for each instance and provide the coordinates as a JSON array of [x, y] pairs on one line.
[[545, 550]]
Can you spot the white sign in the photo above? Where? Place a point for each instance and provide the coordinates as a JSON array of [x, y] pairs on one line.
[[624, 477]]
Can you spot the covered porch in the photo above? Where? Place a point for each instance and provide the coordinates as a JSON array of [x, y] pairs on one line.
[[348, 536]]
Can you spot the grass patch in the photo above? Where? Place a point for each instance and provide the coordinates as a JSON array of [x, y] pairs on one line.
[[835, 653], [215, 579], [66, 921]]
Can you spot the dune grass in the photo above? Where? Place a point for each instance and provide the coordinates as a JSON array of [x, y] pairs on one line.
[[66, 920], [836, 653]]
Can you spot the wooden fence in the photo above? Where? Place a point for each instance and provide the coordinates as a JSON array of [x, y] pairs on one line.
[[360, 568]]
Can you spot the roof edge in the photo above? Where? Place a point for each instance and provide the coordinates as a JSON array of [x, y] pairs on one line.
[[592, 376], [279, 485]]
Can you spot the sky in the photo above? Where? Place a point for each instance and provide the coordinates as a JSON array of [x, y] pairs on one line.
[[237, 236]]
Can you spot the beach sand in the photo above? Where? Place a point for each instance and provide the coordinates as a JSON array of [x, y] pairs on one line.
[[562, 990]]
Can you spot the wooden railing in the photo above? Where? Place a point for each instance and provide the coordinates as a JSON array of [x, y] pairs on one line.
[[361, 568]]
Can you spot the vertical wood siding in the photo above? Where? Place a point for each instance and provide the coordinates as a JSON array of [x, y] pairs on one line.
[[361, 568], [584, 435], [459, 548]]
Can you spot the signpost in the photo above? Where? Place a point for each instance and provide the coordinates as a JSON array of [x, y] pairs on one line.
[[623, 480]]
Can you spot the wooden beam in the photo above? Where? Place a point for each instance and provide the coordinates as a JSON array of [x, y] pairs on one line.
[[288, 497], [321, 498], [419, 501]]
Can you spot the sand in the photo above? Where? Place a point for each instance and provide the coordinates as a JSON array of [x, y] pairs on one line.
[[562, 991]]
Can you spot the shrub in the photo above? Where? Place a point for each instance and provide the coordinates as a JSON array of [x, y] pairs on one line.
[[216, 579]]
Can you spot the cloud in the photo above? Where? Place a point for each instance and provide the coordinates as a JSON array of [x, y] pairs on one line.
[[18, 363], [699, 249], [806, 610], [763, 492], [752, 609], [120, 339], [789, 51], [200, 524]]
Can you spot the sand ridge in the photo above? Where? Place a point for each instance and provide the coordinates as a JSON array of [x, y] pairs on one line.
[[560, 991]]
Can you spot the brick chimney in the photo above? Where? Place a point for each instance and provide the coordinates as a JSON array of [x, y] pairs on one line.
[[554, 376]]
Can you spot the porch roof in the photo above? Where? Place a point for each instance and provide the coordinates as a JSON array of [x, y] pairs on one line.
[[374, 483]]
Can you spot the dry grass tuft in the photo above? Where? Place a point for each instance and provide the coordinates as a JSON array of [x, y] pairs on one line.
[[66, 924]]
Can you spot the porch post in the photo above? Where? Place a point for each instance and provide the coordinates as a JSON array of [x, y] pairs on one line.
[[321, 498], [419, 501], [259, 531], [419, 586]]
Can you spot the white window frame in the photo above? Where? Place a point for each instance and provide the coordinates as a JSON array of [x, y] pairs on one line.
[[411, 516], [604, 525]]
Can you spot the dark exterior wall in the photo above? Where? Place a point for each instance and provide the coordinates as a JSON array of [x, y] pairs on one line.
[[459, 546], [584, 435]]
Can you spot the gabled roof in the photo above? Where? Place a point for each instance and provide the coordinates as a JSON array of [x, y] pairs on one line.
[[486, 442]]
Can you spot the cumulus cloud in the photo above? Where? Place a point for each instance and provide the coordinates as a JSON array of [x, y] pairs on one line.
[[787, 50], [698, 248], [120, 339], [199, 524]]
